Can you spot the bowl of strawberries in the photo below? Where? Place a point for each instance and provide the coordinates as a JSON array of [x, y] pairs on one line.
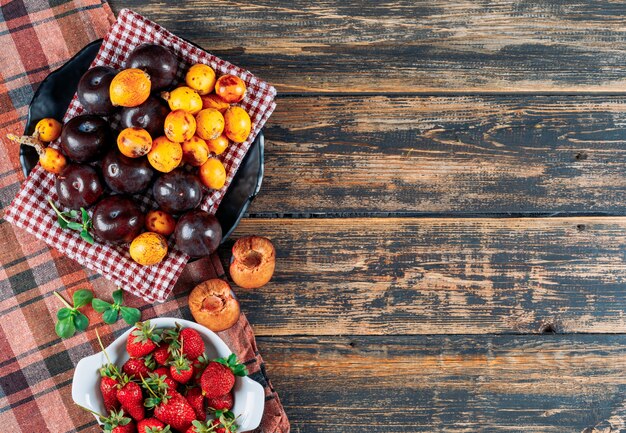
[[168, 372]]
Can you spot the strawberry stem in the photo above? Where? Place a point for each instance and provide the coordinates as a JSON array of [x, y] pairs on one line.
[[89, 410]]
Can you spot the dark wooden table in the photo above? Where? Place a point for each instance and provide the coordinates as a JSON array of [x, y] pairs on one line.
[[446, 188]]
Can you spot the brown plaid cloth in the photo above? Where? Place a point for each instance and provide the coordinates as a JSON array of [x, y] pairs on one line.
[[36, 366]]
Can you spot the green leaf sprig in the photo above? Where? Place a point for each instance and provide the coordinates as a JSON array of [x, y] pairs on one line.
[[69, 319], [111, 312], [68, 220]]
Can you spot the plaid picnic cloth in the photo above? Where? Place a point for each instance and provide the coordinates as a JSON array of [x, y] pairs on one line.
[[31, 211], [38, 36]]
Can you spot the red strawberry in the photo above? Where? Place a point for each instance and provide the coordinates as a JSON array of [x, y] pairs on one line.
[[191, 343], [174, 409], [201, 427], [225, 402], [152, 425], [131, 398], [196, 400], [138, 367], [217, 380], [128, 428], [224, 422], [198, 367], [116, 422], [164, 371], [142, 340], [181, 369], [161, 354], [108, 388]]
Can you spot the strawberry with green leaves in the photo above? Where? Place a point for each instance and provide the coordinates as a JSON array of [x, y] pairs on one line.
[[139, 367], [224, 402], [196, 400], [181, 369], [152, 425], [164, 375], [143, 339], [110, 379], [131, 399], [224, 423], [218, 377], [116, 422], [169, 406], [162, 354], [186, 339]]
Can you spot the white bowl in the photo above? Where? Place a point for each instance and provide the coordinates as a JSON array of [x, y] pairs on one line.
[[248, 394]]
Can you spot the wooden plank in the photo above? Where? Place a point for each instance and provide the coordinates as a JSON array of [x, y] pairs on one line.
[[454, 384], [498, 155], [440, 276], [407, 46]]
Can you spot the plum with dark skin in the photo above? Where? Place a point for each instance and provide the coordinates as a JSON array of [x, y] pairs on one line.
[[78, 186], [159, 62], [150, 116], [117, 219], [177, 191], [85, 138], [126, 175], [93, 90], [198, 233]]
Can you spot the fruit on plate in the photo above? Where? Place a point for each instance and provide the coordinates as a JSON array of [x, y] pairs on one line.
[[218, 145], [213, 101], [210, 124], [183, 98], [187, 340], [196, 401], [151, 425], [230, 88], [213, 305], [84, 138], [130, 88], [237, 124], [138, 367], [158, 61], [181, 368], [212, 173], [78, 186], [52, 160], [160, 222], [179, 126], [200, 78], [142, 340], [47, 129], [218, 378], [117, 219], [177, 192], [150, 116], [93, 90], [148, 248], [131, 399], [195, 151], [198, 233], [172, 408], [116, 422], [165, 154], [134, 142], [254, 259], [224, 402], [126, 175]]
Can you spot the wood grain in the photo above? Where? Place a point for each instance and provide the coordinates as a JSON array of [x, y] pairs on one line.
[[450, 383], [407, 46], [440, 276], [497, 155]]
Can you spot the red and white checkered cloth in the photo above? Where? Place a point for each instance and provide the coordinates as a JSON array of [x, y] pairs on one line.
[[31, 211]]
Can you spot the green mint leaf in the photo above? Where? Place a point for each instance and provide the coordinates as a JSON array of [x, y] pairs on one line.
[[232, 359], [74, 226], [62, 223], [81, 322], [100, 306], [82, 298], [65, 328], [118, 297], [110, 316], [84, 215], [130, 315], [87, 237], [73, 214], [64, 313]]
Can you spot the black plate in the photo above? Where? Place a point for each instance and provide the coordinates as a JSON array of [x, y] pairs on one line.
[[54, 96]]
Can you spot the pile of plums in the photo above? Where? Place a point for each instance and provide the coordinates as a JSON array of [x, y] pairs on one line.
[[169, 137]]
